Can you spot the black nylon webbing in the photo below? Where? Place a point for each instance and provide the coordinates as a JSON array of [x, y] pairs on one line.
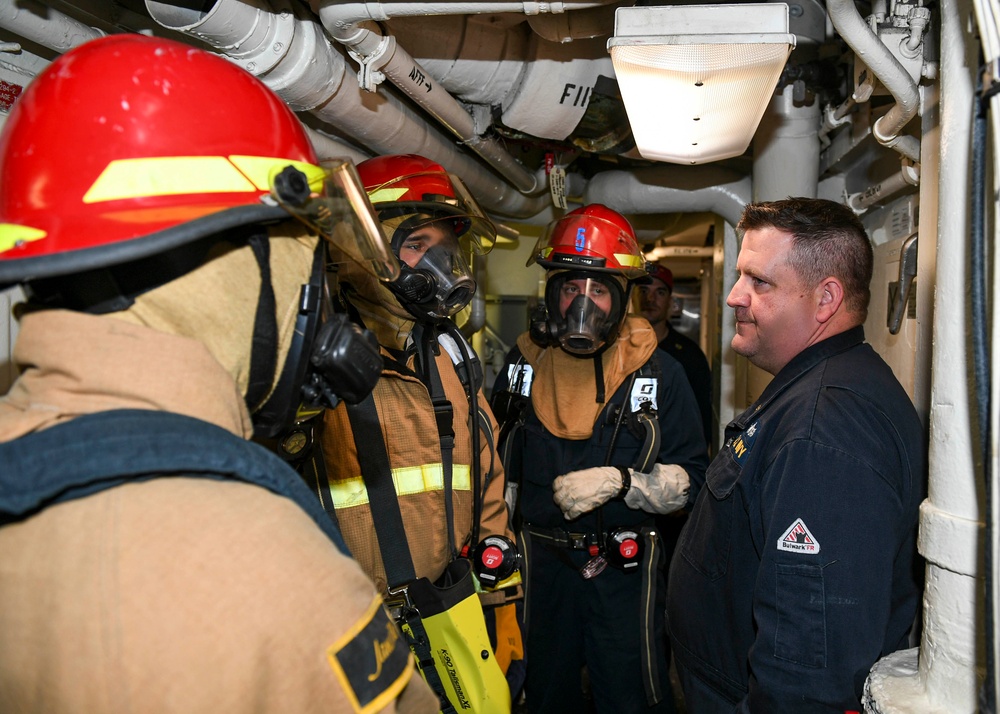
[[313, 470], [392, 542], [420, 645], [263, 356], [377, 474], [444, 416]]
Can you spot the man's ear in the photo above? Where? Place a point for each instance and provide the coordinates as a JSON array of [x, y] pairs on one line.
[[831, 297]]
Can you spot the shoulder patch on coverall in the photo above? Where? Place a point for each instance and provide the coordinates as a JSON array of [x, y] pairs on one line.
[[371, 660]]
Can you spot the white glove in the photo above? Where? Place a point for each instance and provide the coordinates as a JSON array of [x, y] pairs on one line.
[[581, 491], [664, 490]]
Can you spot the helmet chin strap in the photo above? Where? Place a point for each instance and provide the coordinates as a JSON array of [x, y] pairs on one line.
[[599, 374], [263, 354]]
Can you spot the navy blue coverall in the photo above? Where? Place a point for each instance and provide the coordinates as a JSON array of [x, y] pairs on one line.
[[796, 570], [605, 623]]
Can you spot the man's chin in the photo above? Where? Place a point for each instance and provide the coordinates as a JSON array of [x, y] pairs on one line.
[[740, 346]]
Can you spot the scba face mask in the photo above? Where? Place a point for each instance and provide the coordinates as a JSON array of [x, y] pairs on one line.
[[585, 311], [435, 275]]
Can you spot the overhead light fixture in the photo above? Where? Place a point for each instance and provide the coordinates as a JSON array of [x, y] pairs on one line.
[[696, 79]]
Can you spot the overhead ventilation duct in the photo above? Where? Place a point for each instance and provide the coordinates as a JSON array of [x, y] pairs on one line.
[[672, 189]]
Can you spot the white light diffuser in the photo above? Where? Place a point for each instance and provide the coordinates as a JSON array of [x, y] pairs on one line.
[[696, 79]]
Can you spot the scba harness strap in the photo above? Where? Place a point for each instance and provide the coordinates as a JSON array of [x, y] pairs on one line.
[[639, 417], [442, 621], [100, 451]]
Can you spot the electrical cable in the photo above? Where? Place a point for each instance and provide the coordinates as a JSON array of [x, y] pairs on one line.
[[978, 298]]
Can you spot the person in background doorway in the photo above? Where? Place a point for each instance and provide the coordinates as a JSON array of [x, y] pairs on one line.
[[796, 570], [153, 558], [655, 303], [600, 431]]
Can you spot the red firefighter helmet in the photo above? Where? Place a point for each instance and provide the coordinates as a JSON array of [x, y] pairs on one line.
[[592, 237], [129, 145], [421, 191], [433, 225]]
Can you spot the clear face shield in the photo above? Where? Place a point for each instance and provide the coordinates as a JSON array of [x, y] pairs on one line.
[[584, 310], [331, 200], [330, 358]]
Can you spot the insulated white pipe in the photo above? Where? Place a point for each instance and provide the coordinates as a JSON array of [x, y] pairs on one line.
[[49, 28], [327, 147], [413, 80], [786, 129], [674, 189], [860, 38], [310, 76], [950, 518], [378, 53], [351, 13], [908, 175]]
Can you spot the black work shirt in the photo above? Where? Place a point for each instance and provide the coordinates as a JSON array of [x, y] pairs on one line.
[[795, 572]]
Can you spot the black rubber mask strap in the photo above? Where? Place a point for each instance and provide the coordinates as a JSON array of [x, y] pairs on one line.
[[263, 356]]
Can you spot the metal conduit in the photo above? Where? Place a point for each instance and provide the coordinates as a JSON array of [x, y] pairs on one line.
[[856, 33], [376, 52], [408, 76]]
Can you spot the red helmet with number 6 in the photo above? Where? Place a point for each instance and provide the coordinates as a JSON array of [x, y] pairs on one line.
[[592, 257], [591, 237]]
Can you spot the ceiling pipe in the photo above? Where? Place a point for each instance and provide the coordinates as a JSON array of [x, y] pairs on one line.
[[351, 13], [45, 25], [381, 57], [328, 147], [859, 37], [674, 189], [309, 74]]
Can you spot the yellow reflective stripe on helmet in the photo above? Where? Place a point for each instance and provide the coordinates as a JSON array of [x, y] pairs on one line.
[[261, 169], [635, 261], [175, 175], [385, 195], [408, 481], [11, 235], [167, 176]]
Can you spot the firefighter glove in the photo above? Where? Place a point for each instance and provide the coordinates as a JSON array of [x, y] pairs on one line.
[[663, 490], [581, 491]]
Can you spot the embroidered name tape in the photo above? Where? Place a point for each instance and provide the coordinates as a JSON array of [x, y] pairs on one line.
[[371, 660], [741, 445]]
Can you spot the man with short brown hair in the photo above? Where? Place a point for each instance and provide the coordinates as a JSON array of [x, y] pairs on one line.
[[795, 572]]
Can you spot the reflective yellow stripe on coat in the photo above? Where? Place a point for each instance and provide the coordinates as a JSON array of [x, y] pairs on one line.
[[408, 480]]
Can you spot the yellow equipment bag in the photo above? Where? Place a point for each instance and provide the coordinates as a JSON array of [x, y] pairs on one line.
[[443, 623]]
